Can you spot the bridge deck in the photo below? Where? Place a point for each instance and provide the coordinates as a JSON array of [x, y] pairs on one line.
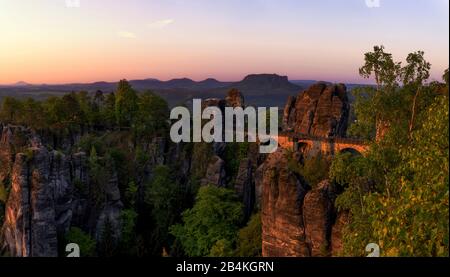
[[298, 136]]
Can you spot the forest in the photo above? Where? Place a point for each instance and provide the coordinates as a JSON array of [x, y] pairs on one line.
[[396, 194]]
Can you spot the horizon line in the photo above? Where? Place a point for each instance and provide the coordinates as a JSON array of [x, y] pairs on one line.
[[25, 83]]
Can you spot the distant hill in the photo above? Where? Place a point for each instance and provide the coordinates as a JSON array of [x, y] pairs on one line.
[[265, 90]]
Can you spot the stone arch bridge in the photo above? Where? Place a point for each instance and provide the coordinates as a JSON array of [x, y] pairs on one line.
[[315, 145]]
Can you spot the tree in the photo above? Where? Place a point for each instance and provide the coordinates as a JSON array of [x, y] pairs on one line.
[[164, 197], [313, 169], [85, 242], [397, 193], [414, 74], [107, 244], [222, 248], [131, 194], [33, 114], [108, 111], [416, 223], [126, 104], [445, 77], [128, 240], [249, 242], [215, 216], [152, 115], [11, 109], [385, 71], [382, 66], [98, 178], [86, 113]]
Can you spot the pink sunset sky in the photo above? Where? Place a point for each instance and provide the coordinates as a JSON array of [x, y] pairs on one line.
[[45, 41]]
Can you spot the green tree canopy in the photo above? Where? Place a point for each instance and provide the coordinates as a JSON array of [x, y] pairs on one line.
[[215, 216]]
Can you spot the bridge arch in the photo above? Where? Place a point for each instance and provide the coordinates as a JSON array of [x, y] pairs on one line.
[[302, 146], [315, 145], [351, 150]]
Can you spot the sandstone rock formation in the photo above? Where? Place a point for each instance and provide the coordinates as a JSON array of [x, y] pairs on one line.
[[111, 212], [244, 182], [297, 221], [319, 213], [39, 204], [245, 186], [283, 231], [215, 174], [43, 203], [337, 244], [322, 110], [235, 99]]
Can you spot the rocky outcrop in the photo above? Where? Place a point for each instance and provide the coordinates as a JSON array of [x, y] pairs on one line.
[[322, 110], [215, 174], [79, 168], [283, 193], [110, 216], [13, 139], [245, 187], [39, 204], [49, 193], [235, 99], [337, 244], [297, 221], [319, 216], [214, 102], [157, 150]]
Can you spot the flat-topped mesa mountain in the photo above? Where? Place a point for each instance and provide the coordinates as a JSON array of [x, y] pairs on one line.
[[266, 90], [322, 110], [262, 82]]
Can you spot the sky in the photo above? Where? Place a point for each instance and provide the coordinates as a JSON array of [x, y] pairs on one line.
[[55, 41]]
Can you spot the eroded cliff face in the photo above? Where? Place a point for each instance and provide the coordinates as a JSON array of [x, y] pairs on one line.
[[216, 174], [283, 193], [297, 220], [39, 203], [300, 221], [322, 111], [42, 203]]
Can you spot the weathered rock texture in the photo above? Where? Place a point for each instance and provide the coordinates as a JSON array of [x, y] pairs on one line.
[[244, 182], [319, 216], [215, 174], [39, 204], [337, 244], [283, 194], [245, 186], [235, 99], [297, 221], [44, 201], [322, 110]]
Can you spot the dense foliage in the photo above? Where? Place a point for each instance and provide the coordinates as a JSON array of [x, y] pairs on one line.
[[397, 193], [85, 242], [249, 241], [143, 113], [313, 169], [212, 224]]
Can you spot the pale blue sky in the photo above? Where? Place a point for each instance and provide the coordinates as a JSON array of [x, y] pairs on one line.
[[44, 41]]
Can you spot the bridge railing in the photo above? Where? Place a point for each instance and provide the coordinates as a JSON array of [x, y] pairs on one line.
[[299, 136]]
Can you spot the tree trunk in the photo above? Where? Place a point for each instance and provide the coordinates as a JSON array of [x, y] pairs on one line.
[[413, 113]]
